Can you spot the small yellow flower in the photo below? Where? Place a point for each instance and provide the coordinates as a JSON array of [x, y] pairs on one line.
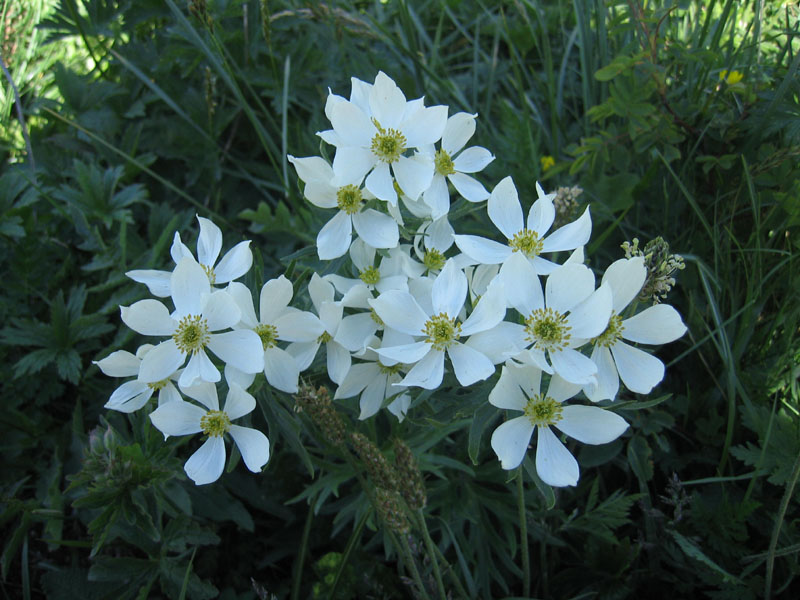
[[547, 162], [731, 77]]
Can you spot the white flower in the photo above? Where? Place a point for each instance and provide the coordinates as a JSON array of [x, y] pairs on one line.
[[372, 134], [557, 322], [133, 395], [375, 228], [198, 313], [528, 240], [436, 318], [615, 359], [185, 418], [518, 389], [341, 336], [236, 262], [376, 380], [278, 321], [381, 278], [449, 167]]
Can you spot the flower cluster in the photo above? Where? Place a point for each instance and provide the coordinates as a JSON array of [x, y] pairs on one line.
[[416, 300]]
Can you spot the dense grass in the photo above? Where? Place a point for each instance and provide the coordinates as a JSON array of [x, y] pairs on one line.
[[166, 109]]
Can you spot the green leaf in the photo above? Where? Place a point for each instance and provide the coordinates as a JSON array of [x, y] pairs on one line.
[[482, 417], [546, 491], [693, 551], [640, 457]]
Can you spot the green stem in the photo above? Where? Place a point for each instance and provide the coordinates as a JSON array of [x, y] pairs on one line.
[[298, 572], [450, 571], [773, 543], [412, 566], [523, 533], [430, 546]]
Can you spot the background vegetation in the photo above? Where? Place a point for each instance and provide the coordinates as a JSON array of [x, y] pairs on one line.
[[678, 119]]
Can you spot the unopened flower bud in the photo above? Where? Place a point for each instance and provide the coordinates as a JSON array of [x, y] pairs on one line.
[[660, 265], [375, 462], [389, 507], [316, 402]]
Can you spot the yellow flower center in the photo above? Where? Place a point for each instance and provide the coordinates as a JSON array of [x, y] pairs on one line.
[[441, 331], [527, 242], [214, 423], [443, 164], [433, 260], [612, 333], [370, 276], [389, 370], [547, 329], [348, 199], [268, 334], [324, 338], [388, 144], [158, 385], [212, 277], [543, 410], [375, 317], [192, 334]]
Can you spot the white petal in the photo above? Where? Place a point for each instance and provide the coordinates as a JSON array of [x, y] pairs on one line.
[[312, 169], [156, 281], [350, 165], [338, 361], [567, 286], [209, 242], [501, 341], [573, 366], [457, 131], [399, 406], [372, 398], [591, 424], [399, 310], [590, 318], [437, 197], [554, 463], [178, 249], [161, 362], [521, 284], [355, 330], [199, 367], [468, 187], [607, 384], [504, 208], [274, 298], [376, 229], [413, 174], [510, 441], [119, 364], [177, 418], [626, 277], [238, 403], [407, 353], [241, 349], [320, 291], [425, 126], [571, 235], [204, 392], [169, 393], [299, 326], [281, 370], [350, 122], [541, 216], [359, 377], [236, 377], [330, 315], [639, 371], [236, 262], [220, 311], [428, 372], [485, 251], [207, 463], [469, 365], [304, 353], [449, 290], [148, 317], [130, 396], [489, 312], [387, 102], [379, 183], [189, 282], [334, 238], [253, 446], [506, 393], [440, 235], [658, 324], [472, 160], [244, 300]]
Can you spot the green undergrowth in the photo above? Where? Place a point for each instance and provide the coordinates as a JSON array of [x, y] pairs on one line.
[[677, 119]]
